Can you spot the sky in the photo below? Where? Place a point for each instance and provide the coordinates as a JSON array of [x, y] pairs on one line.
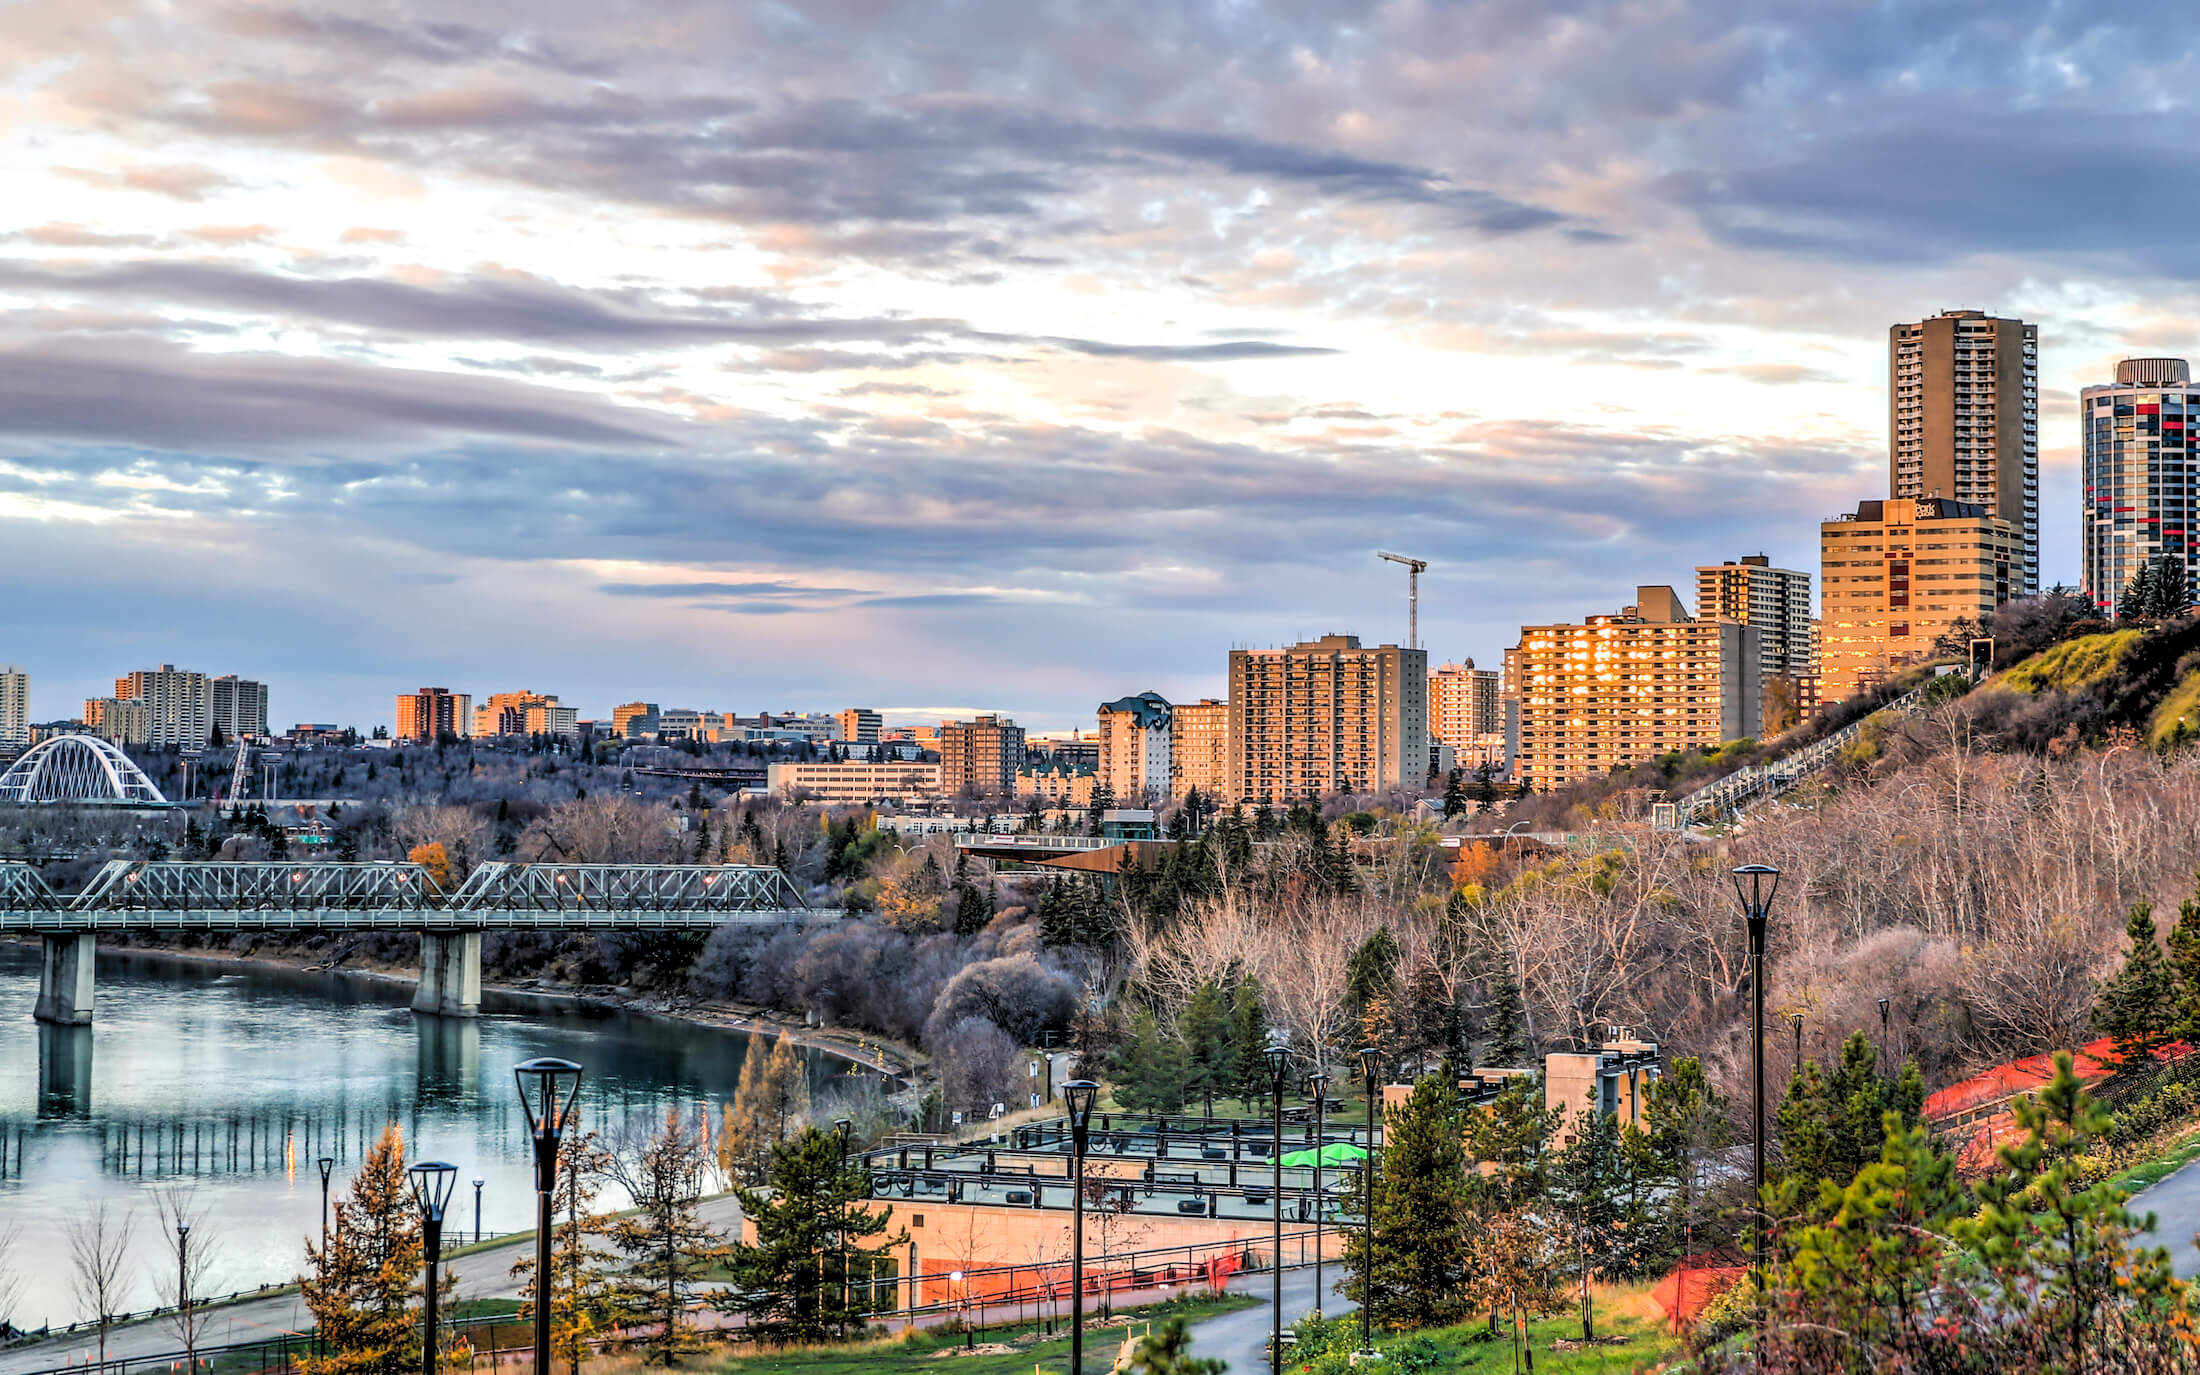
[[1001, 356]]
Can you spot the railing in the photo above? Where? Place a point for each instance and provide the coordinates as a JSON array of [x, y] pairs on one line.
[[1745, 787]]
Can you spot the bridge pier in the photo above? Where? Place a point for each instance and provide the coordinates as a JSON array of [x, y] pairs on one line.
[[65, 980], [450, 974]]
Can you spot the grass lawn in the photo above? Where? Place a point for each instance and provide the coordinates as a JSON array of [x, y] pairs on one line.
[[919, 1351], [1624, 1311], [2161, 1167]]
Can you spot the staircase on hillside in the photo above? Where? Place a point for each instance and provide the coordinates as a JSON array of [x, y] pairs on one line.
[[1737, 792]]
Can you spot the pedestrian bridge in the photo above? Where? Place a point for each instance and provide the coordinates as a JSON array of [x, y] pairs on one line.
[[219, 896]]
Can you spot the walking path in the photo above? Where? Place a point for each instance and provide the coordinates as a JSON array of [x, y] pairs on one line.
[[1240, 1339], [2175, 1202]]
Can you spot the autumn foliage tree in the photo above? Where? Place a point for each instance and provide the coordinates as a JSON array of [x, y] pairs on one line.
[[360, 1285]]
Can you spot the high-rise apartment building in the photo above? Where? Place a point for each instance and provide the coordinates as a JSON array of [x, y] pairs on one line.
[[980, 757], [1327, 716], [238, 706], [1199, 748], [1462, 705], [432, 713], [1965, 416], [526, 713], [2142, 475], [179, 706], [1622, 688], [860, 726], [1777, 602], [1900, 574], [120, 720], [1134, 748], [15, 707], [633, 720]]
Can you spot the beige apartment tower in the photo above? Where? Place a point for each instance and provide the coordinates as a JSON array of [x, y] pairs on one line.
[[15, 708], [1199, 748], [1135, 737], [859, 726], [1777, 602], [1463, 710], [1623, 688], [1964, 419], [432, 713], [1900, 574], [1327, 716], [981, 757], [179, 706]]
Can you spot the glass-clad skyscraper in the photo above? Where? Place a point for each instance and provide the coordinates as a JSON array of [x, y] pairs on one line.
[[2142, 473]]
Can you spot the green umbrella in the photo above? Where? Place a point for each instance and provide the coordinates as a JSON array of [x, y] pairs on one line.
[[1335, 1153]]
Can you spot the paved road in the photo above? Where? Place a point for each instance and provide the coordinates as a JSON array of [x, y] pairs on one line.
[[2175, 1202], [483, 1275], [1241, 1338]]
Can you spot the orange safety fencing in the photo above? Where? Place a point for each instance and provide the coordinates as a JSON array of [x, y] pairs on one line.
[[1695, 1282], [1976, 1112]]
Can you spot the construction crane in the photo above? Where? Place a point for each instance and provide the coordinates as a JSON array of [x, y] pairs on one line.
[[1414, 568]]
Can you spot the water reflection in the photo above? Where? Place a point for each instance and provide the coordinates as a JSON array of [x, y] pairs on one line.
[[230, 1083]]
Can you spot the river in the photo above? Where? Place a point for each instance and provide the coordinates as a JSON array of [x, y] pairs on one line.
[[225, 1082]]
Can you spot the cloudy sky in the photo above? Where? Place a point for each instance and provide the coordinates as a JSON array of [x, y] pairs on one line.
[[1000, 355]]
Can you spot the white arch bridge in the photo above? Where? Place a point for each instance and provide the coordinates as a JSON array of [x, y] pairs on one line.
[[80, 770], [133, 895]]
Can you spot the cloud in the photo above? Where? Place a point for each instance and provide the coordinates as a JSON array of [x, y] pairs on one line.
[[1775, 374], [1232, 351], [722, 589], [183, 182]]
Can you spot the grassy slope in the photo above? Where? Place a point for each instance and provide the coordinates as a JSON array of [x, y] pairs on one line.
[[2072, 664], [2179, 714], [927, 1350], [1625, 1312]]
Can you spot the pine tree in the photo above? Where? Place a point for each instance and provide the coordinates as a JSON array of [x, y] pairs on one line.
[[663, 1244], [1418, 1271], [1505, 1020], [973, 909], [817, 1243], [1210, 1055], [360, 1285], [1455, 795], [1588, 1210], [1169, 1352], [1371, 972], [2139, 1005], [1249, 1034], [1149, 1071], [1686, 1127], [2184, 967]]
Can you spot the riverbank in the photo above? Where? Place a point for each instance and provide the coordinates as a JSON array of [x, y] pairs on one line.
[[875, 1053]]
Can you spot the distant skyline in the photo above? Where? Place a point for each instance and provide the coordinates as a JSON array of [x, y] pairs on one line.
[[758, 357]]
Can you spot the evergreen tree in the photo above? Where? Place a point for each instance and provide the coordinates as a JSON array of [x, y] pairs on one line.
[[1505, 1019], [1249, 1035], [664, 1247], [1169, 1352], [973, 909], [1149, 1070], [1210, 1051], [2139, 1005], [1371, 972], [1685, 1127], [1587, 1206], [579, 1269], [793, 1282], [1455, 795], [1831, 1123], [1417, 1271], [360, 1285], [2184, 967]]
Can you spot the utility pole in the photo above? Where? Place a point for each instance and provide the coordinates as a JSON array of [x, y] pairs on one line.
[[1414, 569]]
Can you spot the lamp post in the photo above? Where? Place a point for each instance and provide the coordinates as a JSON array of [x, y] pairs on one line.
[[1279, 1064], [1797, 1019], [327, 1164], [1755, 885], [1371, 1060], [841, 1127], [556, 1084], [432, 1182], [183, 1296], [1885, 1005], [477, 1210], [1317, 1086], [1078, 1094]]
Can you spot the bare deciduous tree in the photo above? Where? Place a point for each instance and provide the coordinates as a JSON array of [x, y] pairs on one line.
[[99, 1252]]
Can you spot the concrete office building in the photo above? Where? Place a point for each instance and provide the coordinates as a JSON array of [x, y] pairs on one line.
[[634, 720], [1898, 575], [179, 706], [1327, 716], [239, 707], [855, 783], [1622, 688], [15, 708], [683, 723], [2142, 475], [860, 726], [980, 757], [432, 713], [1199, 748], [1777, 602], [526, 713], [1134, 749], [1964, 421]]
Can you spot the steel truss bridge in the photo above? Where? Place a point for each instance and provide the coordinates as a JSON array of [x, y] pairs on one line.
[[217, 896]]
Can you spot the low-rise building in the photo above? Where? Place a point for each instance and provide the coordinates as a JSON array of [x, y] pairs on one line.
[[526, 713], [634, 720], [855, 782], [1056, 785], [860, 726]]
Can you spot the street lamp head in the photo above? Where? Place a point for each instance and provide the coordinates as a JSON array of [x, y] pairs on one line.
[[556, 1084], [1755, 885], [841, 1127], [183, 1229], [478, 1182], [1371, 1064], [328, 1165], [1078, 1095], [432, 1182], [1317, 1086], [1797, 1018], [1279, 1062]]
